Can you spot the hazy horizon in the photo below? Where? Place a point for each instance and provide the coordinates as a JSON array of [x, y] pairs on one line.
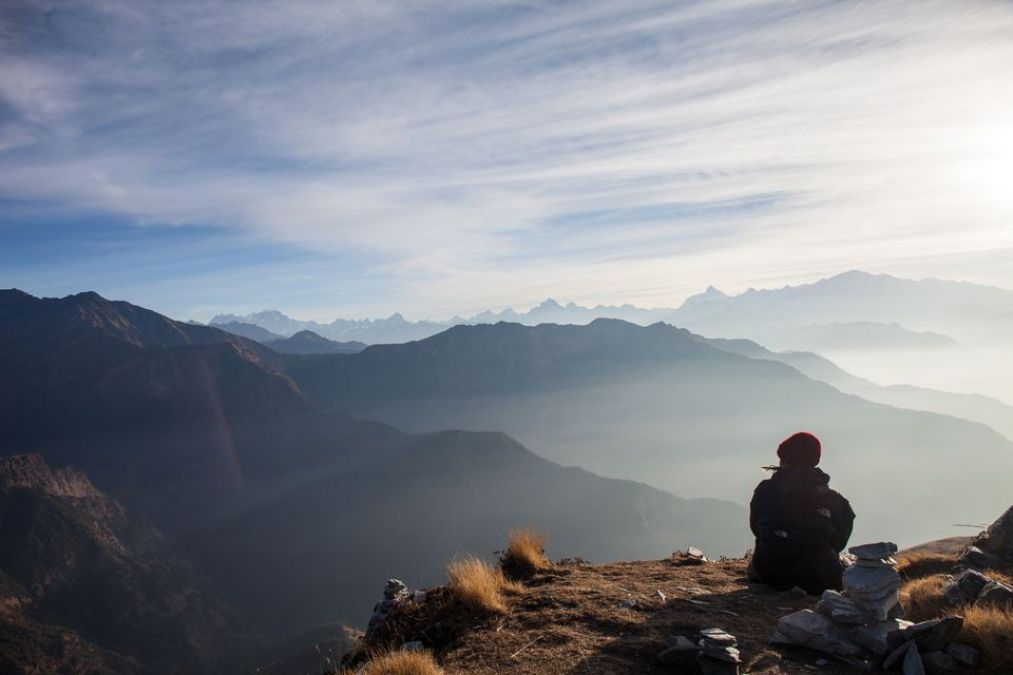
[[409, 314]]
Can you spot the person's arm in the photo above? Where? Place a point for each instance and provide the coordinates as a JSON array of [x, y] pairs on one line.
[[761, 509], [844, 522]]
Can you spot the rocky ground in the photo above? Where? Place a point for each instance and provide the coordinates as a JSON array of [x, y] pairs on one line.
[[645, 617], [583, 619]]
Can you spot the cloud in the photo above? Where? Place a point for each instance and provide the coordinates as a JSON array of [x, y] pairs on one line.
[[649, 147]]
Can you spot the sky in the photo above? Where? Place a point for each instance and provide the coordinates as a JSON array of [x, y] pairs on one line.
[[436, 157]]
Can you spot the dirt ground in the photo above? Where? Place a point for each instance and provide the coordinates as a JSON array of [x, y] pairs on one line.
[[581, 619]]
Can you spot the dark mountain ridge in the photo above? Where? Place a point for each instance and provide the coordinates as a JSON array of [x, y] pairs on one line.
[[296, 513], [308, 342], [491, 358]]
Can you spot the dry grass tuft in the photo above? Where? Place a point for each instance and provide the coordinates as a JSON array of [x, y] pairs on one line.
[[990, 630], [479, 586], [402, 663], [923, 598], [525, 554], [999, 576], [923, 564]]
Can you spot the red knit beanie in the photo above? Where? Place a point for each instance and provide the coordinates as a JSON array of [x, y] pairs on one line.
[[802, 449]]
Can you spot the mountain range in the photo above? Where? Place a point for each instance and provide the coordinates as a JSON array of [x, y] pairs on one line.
[[662, 405], [296, 514], [973, 407], [853, 310], [880, 327], [226, 496]]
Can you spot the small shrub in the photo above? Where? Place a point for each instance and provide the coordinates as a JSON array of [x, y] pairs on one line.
[[990, 630], [402, 663], [923, 598], [918, 565], [478, 586], [525, 554]]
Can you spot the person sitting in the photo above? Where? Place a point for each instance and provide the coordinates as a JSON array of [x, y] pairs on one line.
[[801, 525]]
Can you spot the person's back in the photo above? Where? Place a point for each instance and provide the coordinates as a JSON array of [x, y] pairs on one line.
[[801, 525]]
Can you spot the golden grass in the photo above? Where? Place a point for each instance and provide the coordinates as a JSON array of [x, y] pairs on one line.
[[402, 663], [990, 630], [479, 586], [923, 564], [999, 576], [923, 598], [525, 553]]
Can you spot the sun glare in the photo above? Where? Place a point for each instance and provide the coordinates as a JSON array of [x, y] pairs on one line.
[[991, 170]]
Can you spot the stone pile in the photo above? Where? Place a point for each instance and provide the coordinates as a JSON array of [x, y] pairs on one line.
[[863, 625], [872, 583], [714, 652], [395, 592]]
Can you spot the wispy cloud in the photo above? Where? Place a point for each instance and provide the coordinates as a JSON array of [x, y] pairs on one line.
[[483, 152]]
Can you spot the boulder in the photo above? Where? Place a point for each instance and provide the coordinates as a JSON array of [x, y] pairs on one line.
[[966, 655], [997, 540], [940, 662], [841, 609], [777, 638], [729, 654], [975, 558], [695, 554], [809, 629], [880, 638], [952, 592], [709, 666], [997, 594], [394, 588], [897, 655], [970, 583], [935, 634], [681, 651]]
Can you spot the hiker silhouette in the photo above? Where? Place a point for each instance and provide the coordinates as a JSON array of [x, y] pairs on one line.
[[801, 525]]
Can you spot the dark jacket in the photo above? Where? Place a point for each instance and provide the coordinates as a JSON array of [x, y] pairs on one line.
[[801, 526]]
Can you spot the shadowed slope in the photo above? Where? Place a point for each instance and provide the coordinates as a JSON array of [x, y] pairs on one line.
[[71, 557]]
